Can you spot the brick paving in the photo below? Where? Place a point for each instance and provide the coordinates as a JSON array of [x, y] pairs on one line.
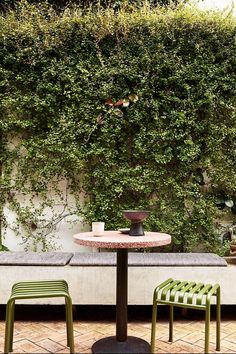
[[48, 336]]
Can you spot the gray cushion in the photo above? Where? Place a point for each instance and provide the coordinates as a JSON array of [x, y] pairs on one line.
[[177, 259], [149, 259], [35, 258], [93, 259]]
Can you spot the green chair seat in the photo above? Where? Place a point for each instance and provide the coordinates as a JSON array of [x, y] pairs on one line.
[[186, 294], [33, 290]]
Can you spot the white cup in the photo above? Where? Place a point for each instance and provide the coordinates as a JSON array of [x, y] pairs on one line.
[[98, 228]]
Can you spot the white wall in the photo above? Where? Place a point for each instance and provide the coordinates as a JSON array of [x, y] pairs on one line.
[[63, 235], [222, 5], [59, 238]]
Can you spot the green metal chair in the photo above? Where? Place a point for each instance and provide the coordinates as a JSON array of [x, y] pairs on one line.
[[33, 290], [186, 294]]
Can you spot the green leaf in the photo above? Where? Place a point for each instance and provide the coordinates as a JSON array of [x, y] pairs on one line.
[[118, 112]]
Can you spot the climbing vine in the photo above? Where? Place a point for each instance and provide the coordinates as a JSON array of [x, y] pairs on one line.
[[103, 111]]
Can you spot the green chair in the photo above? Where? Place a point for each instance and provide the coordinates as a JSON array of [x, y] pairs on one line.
[[186, 294], [34, 290]]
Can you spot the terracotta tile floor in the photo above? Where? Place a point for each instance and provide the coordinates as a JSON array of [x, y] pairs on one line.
[[36, 335]]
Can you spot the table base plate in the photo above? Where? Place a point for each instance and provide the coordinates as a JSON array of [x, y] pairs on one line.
[[110, 345]]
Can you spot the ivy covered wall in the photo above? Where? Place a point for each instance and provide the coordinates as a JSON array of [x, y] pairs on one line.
[[133, 109]]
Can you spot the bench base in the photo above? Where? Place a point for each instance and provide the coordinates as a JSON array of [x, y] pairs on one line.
[[92, 276]]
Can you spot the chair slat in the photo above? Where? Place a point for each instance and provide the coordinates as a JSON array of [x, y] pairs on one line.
[[185, 290], [193, 292], [168, 288], [204, 291], [177, 288]]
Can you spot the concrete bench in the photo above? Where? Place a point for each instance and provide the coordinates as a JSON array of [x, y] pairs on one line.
[[92, 276]]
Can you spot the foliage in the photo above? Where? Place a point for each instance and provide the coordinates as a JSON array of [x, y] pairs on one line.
[[133, 109], [62, 4]]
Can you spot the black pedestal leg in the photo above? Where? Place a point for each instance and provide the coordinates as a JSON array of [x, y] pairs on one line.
[[121, 343], [121, 294]]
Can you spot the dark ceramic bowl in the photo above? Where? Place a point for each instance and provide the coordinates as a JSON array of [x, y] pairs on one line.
[[136, 215]]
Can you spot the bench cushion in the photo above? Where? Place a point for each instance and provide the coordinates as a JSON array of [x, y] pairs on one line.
[[35, 258], [149, 259], [93, 259], [179, 259]]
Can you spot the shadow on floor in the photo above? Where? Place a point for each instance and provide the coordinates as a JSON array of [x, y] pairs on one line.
[[107, 313]]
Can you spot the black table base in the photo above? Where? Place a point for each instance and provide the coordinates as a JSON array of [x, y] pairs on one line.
[[121, 343], [110, 345]]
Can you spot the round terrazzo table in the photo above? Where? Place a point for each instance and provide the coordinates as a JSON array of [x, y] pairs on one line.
[[121, 343]]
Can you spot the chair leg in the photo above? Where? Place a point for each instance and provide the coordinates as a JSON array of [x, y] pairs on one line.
[[171, 321], [9, 326], [153, 331], [218, 318], [12, 325], [207, 328], [69, 324]]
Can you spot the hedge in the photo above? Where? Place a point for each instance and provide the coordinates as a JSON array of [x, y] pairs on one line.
[[59, 5], [134, 109]]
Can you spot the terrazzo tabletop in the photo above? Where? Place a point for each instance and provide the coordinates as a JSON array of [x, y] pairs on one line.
[[115, 239]]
